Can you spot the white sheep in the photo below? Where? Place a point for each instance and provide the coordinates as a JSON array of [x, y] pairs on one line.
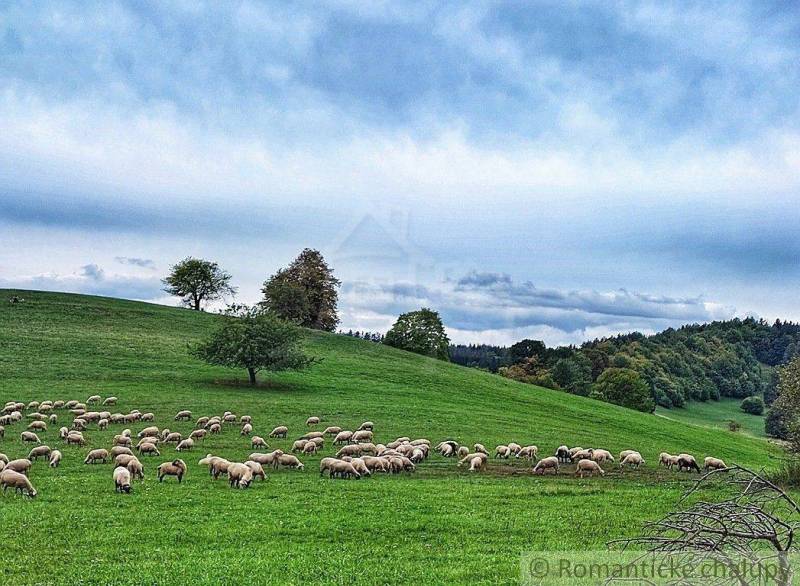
[[122, 479], [545, 465], [710, 463], [312, 421], [502, 451], [19, 482], [280, 431], [55, 458], [633, 459], [589, 467]]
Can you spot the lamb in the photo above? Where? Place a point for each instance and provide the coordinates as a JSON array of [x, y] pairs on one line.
[[110, 401], [502, 451], [562, 454], [256, 469], [270, 459], [688, 462], [21, 465], [480, 448], [185, 445], [280, 431], [175, 468], [239, 475], [547, 465], [601, 456], [94, 456], [633, 459], [198, 434], [135, 468], [589, 467], [148, 448], [528, 453], [19, 482], [184, 415], [289, 461], [342, 437], [710, 463], [475, 464], [30, 437], [247, 429], [39, 452], [312, 421], [258, 442], [37, 426], [55, 458], [332, 430], [122, 480]]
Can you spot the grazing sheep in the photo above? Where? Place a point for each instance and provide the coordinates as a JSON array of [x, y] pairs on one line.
[[151, 431], [53, 419], [547, 465], [687, 461], [480, 448], [21, 465], [514, 447], [582, 455], [76, 438], [528, 453], [366, 426], [601, 456], [447, 450], [173, 438], [502, 451], [122, 480], [217, 466], [93, 399], [417, 455], [185, 445], [123, 460], [110, 401], [332, 430], [349, 450], [310, 448], [247, 429], [325, 464], [102, 424], [198, 434], [119, 450], [359, 465], [710, 463], [363, 435], [148, 448], [245, 419], [270, 459], [633, 459], [312, 421], [562, 454], [37, 426], [665, 459], [462, 451], [475, 464], [298, 445], [135, 468], [19, 482], [258, 442], [55, 458], [424, 442], [184, 415], [624, 453], [468, 457], [289, 461], [30, 437], [215, 428], [148, 440], [257, 469], [63, 433], [589, 467], [239, 475], [312, 435], [229, 418], [280, 431], [121, 440], [201, 422], [39, 452], [94, 456], [79, 424], [343, 469], [175, 468], [343, 437]]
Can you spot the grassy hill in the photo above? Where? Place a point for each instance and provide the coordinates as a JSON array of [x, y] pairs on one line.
[[440, 525], [717, 414]]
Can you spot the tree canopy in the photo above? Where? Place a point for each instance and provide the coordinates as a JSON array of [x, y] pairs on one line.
[[420, 331], [623, 386], [304, 293], [196, 281]]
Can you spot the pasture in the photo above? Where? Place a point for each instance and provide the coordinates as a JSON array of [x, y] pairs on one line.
[[440, 524]]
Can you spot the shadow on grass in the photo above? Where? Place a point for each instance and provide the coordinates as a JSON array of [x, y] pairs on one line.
[[265, 385]]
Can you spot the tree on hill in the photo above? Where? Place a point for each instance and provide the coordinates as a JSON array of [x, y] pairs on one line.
[[256, 341], [304, 293], [420, 331], [526, 349], [623, 386], [787, 405], [196, 281], [753, 405]]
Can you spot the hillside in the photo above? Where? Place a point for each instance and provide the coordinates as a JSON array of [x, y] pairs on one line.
[[297, 527]]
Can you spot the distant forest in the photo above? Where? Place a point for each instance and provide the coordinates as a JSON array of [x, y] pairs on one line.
[[695, 362]]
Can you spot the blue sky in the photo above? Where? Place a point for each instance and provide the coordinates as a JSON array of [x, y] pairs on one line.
[[560, 169]]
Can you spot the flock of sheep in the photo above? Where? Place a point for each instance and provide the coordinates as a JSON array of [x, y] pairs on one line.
[[356, 453]]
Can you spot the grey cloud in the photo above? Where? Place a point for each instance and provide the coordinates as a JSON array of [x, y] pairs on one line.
[[145, 263], [91, 279]]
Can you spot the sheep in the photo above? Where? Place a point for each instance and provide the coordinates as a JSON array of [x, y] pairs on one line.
[[93, 399], [121, 440], [376, 464], [545, 465], [589, 467], [148, 448], [349, 450], [175, 468], [710, 463], [258, 442], [39, 452], [215, 428], [247, 429], [30, 437], [198, 434], [480, 448], [124, 459], [71, 404], [601, 456], [117, 418], [33, 405], [280, 431], [53, 419], [211, 421], [147, 440], [470, 456], [448, 450], [19, 482], [582, 455], [216, 465], [135, 468], [359, 465], [366, 426], [475, 464], [342, 437], [332, 430], [270, 459], [173, 438], [424, 442], [257, 469], [76, 437], [312, 421], [514, 447], [79, 424], [122, 480], [688, 462], [37, 426], [343, 469], [184, 415], [185, 445], [151, 431], [502, 451], [119, 450], [96, 455], [165, 433], [21, 465], [417, 456], [245, 419], [239, 475], [310, 448], [201, 422], [55, 458], [633, 459], [148, 417], [312, 435], [110, 401], [289, 461], [624, 453], [528, 453], [299, 445], [665, 459], [325, 464], [562, 454], [229, 418], [102, 424], [58, 405], [462, 451], [363, 435]]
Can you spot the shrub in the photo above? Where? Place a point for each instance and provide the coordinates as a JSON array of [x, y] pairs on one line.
[[753, 405]]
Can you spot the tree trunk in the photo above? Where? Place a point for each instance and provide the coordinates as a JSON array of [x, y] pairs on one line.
[[252, 373], [197, 304]]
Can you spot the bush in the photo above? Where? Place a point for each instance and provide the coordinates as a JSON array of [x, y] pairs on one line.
[[775, 424], [788, 474], [753, 405], [734, 425], [625, 387]]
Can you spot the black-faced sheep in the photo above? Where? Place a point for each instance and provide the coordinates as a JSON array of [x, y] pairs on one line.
[[19, 482], [687, 462], [562, 454], [175, 468], [122, 480]]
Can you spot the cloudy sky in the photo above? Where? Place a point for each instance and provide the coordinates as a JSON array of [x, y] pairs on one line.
[[551, 169]]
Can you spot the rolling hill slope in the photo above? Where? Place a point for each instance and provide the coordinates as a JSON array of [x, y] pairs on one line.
[[439, 525]]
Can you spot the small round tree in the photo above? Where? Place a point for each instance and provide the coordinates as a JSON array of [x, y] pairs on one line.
[[255, 341], [623, 386], [196, 281], [421, 332], [753, 405]]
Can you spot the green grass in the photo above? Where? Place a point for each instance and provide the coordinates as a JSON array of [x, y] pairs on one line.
[[717, 414], [440, 525]]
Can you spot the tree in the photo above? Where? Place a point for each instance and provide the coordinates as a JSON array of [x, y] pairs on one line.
[[788, 401], [304, 293], [527, 349], [574, 374], [421, 332], [623, 386], [195, 281], [753, 405], [255, 341]]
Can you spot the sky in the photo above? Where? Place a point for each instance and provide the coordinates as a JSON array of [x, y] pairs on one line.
[[548, 169]]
